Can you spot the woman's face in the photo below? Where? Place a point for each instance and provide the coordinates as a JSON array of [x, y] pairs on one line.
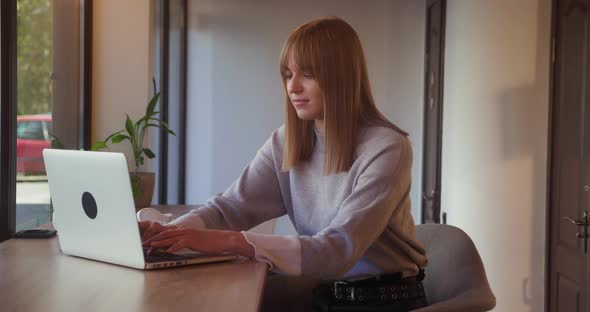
[[305, 93]]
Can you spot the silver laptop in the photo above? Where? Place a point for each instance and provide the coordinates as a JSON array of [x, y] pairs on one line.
[[95, 214]]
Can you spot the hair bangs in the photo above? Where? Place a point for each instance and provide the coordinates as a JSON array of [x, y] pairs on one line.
[[300, 52]]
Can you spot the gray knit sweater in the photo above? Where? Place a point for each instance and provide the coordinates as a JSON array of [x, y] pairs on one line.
[[350, 224]]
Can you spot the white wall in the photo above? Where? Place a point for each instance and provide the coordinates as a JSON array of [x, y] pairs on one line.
[[495, 140], [235, 96], [121, 71]]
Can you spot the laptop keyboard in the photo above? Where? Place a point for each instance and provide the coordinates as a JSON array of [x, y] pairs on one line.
[[160, 256]]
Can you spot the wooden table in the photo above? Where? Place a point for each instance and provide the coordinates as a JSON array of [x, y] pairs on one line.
[[35, 276]]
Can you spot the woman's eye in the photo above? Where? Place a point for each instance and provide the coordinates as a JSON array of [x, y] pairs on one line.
[[307, 75], [288, 76]]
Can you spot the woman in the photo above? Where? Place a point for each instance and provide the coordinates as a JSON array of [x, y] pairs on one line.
[[338, 168]]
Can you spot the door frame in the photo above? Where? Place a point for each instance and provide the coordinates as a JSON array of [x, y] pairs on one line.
[[550, 164], [435, 213]]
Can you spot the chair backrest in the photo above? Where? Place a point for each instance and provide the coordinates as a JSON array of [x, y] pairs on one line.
[[454, 271]]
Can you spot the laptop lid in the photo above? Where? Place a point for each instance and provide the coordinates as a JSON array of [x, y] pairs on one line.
[[93, 206]]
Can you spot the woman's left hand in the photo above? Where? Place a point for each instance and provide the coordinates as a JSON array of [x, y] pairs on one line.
[[201, 240]]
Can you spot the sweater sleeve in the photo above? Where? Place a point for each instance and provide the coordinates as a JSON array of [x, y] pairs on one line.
[[363, 216], [282, 253], [189, 220], [253, 198]]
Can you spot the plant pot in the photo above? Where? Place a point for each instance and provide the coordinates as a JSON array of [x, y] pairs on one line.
[[142, 184]]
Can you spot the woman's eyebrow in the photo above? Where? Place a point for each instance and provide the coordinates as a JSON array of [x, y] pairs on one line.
[[304, 68], [297, 69]]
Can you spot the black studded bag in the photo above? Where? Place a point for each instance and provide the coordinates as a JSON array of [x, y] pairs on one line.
[[388, 292]]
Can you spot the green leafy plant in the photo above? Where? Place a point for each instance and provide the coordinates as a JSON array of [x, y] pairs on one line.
[[56, 142], [135, 132]]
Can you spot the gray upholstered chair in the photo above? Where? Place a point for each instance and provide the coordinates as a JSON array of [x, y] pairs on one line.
[[455, 276]]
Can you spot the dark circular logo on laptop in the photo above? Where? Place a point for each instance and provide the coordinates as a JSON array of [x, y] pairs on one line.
[[89, 205]]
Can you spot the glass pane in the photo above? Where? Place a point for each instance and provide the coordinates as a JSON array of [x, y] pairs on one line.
[[34, 94]]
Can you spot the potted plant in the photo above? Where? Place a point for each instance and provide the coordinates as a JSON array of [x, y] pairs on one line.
[[142, 183]]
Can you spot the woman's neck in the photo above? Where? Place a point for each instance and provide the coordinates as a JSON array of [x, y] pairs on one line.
[[319, 125]]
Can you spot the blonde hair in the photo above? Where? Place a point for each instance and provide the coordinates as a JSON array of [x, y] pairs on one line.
[[331, 51]]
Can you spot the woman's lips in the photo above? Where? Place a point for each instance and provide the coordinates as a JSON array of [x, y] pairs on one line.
[[300, 102]]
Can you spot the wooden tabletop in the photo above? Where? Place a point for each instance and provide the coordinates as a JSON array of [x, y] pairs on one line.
[[35, 276]]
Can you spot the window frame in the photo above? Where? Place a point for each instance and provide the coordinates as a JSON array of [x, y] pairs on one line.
[[170, 48], [7, 118]]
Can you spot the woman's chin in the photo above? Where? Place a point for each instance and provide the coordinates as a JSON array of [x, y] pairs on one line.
[[305, 115]]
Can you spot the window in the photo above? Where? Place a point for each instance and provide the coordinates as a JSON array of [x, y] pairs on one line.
[[50, 42], [34, 97]]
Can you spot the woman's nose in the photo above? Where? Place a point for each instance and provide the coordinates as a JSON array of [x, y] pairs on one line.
[[294, 85]]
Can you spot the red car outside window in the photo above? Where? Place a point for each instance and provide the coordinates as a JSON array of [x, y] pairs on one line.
[[32, 136]]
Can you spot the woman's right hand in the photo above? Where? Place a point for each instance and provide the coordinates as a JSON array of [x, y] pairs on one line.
[[149, 229]]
